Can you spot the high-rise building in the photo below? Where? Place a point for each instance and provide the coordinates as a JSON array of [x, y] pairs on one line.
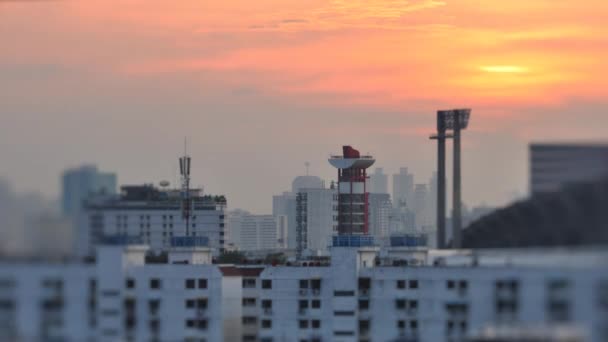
[[80, 183], [282, 231], [143, 214], [553, 166], [380, 208], [253, 232], [315, 219], [421, 208], [285, 204], [378, 182], [403, 187]]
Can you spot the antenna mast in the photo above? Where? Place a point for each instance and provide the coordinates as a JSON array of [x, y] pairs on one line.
[[184, 170]]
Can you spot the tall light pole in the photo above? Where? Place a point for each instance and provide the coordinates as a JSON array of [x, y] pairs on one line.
[[461, 121], [455, 120], [441, 136]]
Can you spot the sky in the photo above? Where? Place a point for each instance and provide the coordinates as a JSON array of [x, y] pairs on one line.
[[261, 87]]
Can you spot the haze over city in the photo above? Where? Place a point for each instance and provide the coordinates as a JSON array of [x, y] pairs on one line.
[[260, 87]]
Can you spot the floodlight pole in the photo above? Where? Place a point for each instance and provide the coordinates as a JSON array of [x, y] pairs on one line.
[[441, 137], [457, 192]]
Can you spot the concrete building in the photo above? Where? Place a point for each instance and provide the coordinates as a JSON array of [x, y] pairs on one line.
[[359, 294], [316, 219], [378, 182], [285, 205], [380, 208], [403, 187], [253, 232], [306, 182], [80, 183], [145, 214], [553, 166], [421, 208]]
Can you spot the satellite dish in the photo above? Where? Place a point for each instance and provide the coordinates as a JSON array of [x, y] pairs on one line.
[[164, 184]]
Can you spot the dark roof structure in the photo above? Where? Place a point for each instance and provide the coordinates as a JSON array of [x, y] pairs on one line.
[[575, 216]]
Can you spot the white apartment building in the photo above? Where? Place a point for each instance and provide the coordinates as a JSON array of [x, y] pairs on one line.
[[378, 182], [253, 232], [361, 293], [147, 215], [316, 219], [380, 209]]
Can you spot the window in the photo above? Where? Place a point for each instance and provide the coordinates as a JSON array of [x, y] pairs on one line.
[[153, 306], [303, 304], [413, 284], [201, 324], [190, 323], [316, 324], [248, 302], [266, 284], [303, 283], [202, 283], [315, 284], [344, 333], [344, 313], [266, 324], [303, 324], [401, 284], [130, 283], [249, 283], [267, 304], [190, 303], [249, 320], [364, 304], [413, 325], [401, 324], [413, 304], [190, 283], [400, 303], [316, 304], [155, 283], [451, 284], [201, 303], [364, 326], [365, 283]]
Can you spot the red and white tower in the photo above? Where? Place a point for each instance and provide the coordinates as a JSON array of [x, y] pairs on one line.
[[352, 193]]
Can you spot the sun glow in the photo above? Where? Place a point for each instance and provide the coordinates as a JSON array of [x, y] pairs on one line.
[[504, 69]]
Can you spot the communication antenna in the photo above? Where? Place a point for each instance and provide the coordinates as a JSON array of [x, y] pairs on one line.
[[307, 165], [184, 170]]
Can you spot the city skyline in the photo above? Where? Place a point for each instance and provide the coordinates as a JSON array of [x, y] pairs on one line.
[[290, 83]]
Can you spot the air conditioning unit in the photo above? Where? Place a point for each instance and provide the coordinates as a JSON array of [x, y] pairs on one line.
[[303, 292]]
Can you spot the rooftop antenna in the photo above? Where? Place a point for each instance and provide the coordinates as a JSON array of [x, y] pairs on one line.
[[184, 170], [307, 165]]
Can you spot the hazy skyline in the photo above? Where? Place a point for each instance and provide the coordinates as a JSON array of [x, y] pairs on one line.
[[260, 87]]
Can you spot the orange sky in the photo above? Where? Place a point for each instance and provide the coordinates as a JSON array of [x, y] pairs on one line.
[[520, 64]]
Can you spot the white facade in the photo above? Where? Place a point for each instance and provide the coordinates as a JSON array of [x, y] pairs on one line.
[[360, 294], [153, 221], [285, 205], [378, 182], [380, 208], [403, 187], [254, 232], [316, 221], [553, 166]]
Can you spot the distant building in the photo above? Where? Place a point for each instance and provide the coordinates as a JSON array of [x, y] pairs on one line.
[[378, 182], [380, 208], [80, 183], [421, 208], [553, 166], [403, 187], [306, 182], [282, 231], [144, 214], [285, 205], [316, 220], [253, 232]]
